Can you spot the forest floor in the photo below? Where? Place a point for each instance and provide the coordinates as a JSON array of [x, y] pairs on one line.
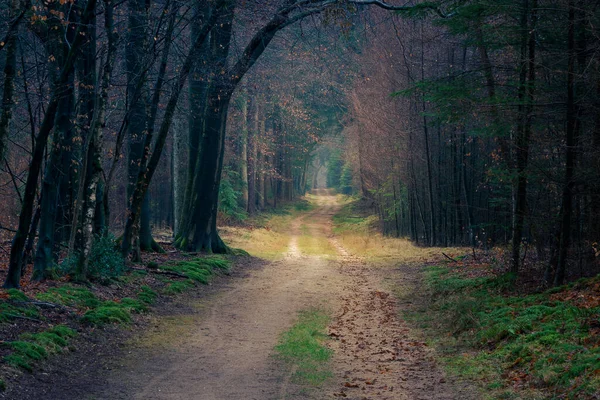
[[322, 310]]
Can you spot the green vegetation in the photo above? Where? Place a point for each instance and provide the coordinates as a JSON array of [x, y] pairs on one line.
[[105, 261], [9, 312], [303, 205], [351, 219], [230, 205], [302, 348], [540, 340], [99, 312], [200, 269], [70, 295], [34, 347], [108, 313], [16, 295], [175, 287], [147, 295]]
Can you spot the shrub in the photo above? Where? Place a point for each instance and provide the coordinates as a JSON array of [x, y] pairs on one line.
[[105, 260]]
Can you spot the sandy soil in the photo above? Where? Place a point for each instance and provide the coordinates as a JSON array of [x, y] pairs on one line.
[[223, 347]]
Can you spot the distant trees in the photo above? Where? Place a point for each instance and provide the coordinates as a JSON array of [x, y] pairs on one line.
[[94, 96], [488, 139], [492, 128]]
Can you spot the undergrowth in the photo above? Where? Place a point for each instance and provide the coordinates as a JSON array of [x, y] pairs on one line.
[[525, 342], [33, 347], [302, 348], [352, 218], [105, 261], [200, 269]]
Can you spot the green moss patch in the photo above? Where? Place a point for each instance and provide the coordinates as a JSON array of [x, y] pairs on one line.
[[32, 347], [70, 295], [109, 313], [302, 348], [9, 312], [147, 295], [534, 341], [174, 287], [200, 269]]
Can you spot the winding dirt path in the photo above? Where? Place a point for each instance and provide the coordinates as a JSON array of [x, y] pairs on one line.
[[225, 351]]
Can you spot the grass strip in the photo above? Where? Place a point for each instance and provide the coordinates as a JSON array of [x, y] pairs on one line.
[[302, 347]]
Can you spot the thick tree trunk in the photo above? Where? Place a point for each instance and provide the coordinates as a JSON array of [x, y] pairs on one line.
[[151, 160], [57, 167], [205, 237], [198, 85], [45, 252]]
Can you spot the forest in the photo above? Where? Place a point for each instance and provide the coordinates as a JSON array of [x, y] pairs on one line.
[[133, 129]]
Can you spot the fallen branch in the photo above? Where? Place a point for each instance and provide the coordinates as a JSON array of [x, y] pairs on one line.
[[161, 272], [41, 304], [24, 317], [449, 258]]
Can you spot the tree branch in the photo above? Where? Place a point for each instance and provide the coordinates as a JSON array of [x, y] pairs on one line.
[[390, 7]]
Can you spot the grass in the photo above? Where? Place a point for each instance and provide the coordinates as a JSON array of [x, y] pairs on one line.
[[302, 348], [268, 234], [356, 230], [535, 342], [200, 269], [34, 347], [175, 287], [9, 312], [70, 295], [98, 312], [147, 295], [316, 245]]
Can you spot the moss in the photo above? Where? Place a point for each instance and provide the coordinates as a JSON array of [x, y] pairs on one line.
[[30, 350], [18, 361], [108, 313], [17, 295], [70, 295], [2, 385], [133, 305], [147, 295], [9, 311], [178, 287], [63, 331], [200, 269], [32, 347], [48, 340], [547, 341]]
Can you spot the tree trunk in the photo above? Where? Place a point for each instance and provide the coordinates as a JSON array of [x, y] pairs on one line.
[[16, 251], [252, 158], [571, 152], [150, 160], [10, 70], [526, 97], [244, 149]]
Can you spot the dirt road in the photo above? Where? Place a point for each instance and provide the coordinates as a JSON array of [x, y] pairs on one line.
[[224, 350]]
